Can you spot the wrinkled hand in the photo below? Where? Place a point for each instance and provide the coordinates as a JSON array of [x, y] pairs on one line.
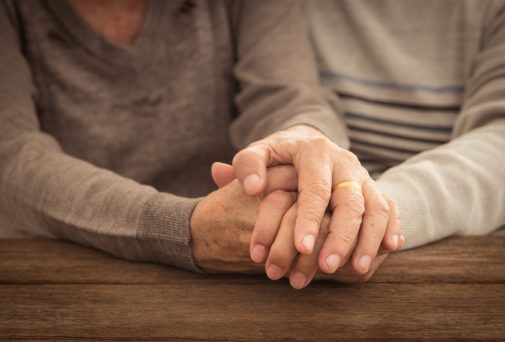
[[221, 227], [361, 220], [222, 224]]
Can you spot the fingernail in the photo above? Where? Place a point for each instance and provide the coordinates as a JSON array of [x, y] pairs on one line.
[[364, 263], [259, 254], [251, 183], [402, 240], [274, 272], [298, 280], [308, 243], [332, 261], [394, 241]]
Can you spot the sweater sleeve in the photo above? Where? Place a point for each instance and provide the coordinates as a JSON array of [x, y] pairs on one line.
[[277, 73], [459, 187], [44, 190]]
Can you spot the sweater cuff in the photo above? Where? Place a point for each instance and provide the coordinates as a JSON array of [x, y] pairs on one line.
[[164, 233]]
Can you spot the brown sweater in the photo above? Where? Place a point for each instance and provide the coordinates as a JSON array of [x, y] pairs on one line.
[[108, 145]]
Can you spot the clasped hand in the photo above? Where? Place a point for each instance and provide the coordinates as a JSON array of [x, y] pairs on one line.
[[305, 223]]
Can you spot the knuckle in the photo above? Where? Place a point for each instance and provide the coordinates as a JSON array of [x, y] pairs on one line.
[[312, 207], [353, 205], [354, 221], [343, 241], [311, 216], [347, 238], [350, 157], [320, 189], [379, 210], [321, 142]]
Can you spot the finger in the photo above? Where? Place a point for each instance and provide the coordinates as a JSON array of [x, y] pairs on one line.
[[271, 211], [282, 253], [346, 273], [373, 228], [402, 241], [306, 266], [393, 231], [377, 261], [222, 173], [348, 208], [282, 177], [314, 166], [250, 167]]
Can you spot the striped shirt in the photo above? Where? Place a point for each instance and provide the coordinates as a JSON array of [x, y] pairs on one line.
[[421, 88]]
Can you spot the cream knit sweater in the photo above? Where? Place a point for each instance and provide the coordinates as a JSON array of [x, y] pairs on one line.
[[422, 88]]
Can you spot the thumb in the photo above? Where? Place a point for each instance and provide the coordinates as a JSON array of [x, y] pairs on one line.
[[222, 174], [250, 167]]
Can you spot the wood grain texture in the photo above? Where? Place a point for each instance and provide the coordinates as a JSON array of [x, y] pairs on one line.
[[456, 260], [53, 290], [259, 311]]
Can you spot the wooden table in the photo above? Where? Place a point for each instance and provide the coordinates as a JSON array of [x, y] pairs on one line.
[[54, 290]]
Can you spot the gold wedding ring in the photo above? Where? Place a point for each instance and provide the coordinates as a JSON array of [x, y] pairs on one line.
[[351, 183]]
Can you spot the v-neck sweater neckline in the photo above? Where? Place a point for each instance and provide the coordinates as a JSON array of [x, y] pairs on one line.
[[103, 47]]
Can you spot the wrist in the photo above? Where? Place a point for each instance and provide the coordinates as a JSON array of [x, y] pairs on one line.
[[198, 241]]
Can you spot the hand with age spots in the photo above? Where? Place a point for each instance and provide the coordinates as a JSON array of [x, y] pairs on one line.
[[361, 221], [222, 225]]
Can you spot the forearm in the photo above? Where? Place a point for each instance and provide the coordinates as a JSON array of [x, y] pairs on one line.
[[458, 188], [43, 189]]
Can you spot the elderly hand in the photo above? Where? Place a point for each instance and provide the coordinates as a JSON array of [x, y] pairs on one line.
[[221, 228], [328, 175]]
